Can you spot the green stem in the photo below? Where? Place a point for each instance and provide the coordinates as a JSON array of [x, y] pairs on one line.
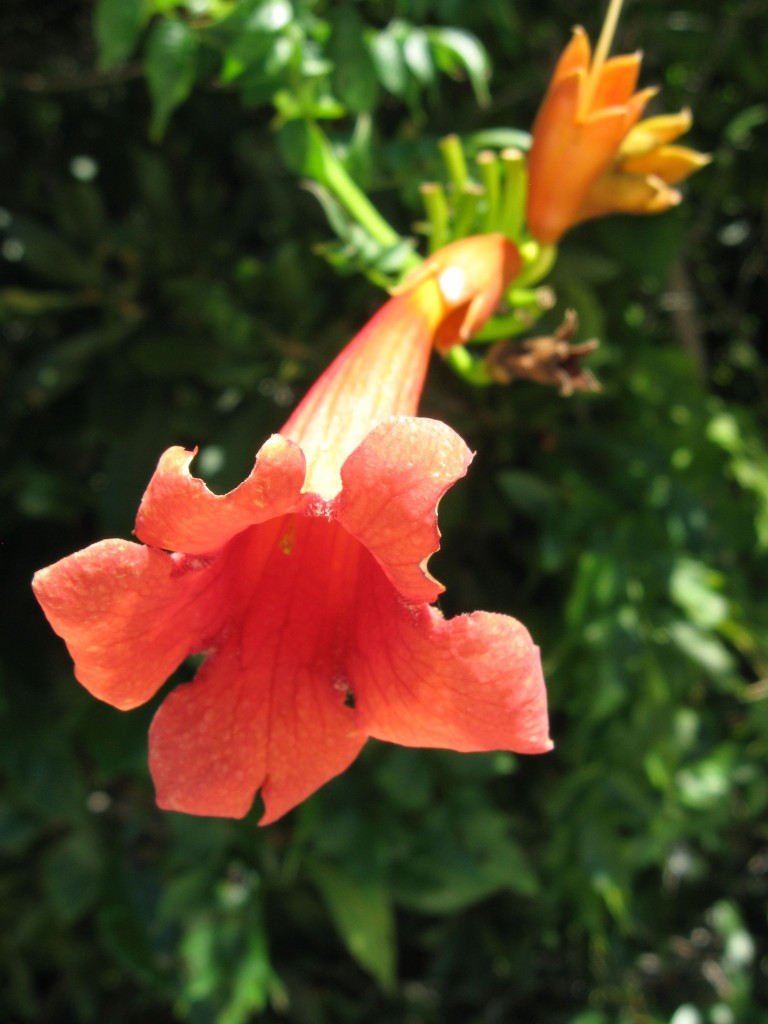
[[538, 260], [514, 193], [436, 206], [455, 161], [472, 370], [465, 210], [489, 171], [337, 179], [508, 326]]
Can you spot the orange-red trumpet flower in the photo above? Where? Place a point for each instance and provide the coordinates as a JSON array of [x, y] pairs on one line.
[[305, 587]]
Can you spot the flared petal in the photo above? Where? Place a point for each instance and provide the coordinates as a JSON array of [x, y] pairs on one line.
[[617, 81], [653, 132], [616, 192], [636, 105], [470, 683], [130, 615], [577, 55], [392, 484], [251, 720], [670, 163], [179, 513], [599, 138], [269, 708]]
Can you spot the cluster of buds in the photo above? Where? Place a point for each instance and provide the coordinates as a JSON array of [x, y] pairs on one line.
[[591, 153]]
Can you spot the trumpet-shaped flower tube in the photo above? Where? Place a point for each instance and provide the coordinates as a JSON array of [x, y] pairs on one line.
[[305, 587], [591, 155]]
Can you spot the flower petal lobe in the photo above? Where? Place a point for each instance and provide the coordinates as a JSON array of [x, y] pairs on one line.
[[179, 513], [130, 615], [269, 707], [470, 683], [392, 484]]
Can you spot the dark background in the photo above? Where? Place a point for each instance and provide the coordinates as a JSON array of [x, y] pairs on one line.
[[168, 290]]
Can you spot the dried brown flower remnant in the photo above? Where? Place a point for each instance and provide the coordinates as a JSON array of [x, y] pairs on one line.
[[550, 359]]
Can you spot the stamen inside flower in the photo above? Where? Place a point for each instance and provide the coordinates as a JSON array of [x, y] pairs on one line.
[[602, 49], [288, 538]]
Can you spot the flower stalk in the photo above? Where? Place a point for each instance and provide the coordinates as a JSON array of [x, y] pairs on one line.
[[452, 153], [334, 176], [514, 191], [489, 168], [436, 208]]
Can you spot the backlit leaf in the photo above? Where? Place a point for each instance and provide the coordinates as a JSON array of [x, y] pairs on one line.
[[171, 61], [363, 914], [116, 26]]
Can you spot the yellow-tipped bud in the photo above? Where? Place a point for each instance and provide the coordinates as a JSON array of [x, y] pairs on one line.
[[670, 163], [653, 132]]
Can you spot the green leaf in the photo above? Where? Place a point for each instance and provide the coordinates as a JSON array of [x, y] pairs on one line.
[[741, 128], [497, 138], [702, 648], [225, 952], [50, 255], [122, 930], [450, 888], [43, 774], [595, 585], [364, 917], [695, 587], [306, 150], [65, 365], [272, 16], [249, 37], [453, 873], [17, 831], [403, 776], [525, 492], [354, 76], [388, 60], [171, 60], [706, 783], [418, 56], [116, 26], [71, 875], [748, 462], [250, 987], [458, 50]]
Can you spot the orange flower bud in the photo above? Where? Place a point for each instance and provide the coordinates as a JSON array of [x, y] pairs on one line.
[[591, 154]]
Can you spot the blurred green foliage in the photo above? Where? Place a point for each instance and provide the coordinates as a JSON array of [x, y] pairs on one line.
[[160, 285]]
